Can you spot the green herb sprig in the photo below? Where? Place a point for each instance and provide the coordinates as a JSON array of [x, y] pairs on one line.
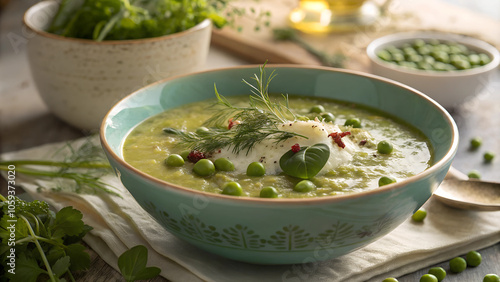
[[46, 243], [83, 166], [132, 265], [257, 122], [134, 19]]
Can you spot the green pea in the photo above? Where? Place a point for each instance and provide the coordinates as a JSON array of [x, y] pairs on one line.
[[474, 59], [184, 154], [424, 66], [405, 45], [390, 279], [256, 169], [429, 59], [232, 188], [474, 174], [439, 272], [473, 258], [317, 109], [415, 58], [223, 164], [428, 278], [411, 65], [476, 142], [424, 50], [462, 65], [386, 56], [202, 130], [304, 186], [441, 56], [204, 167], [418, 43], [354, 122], [385, 180], [384, 147], [454, 49], [443, 47], [440, 66], [434, 42], [457, 265], [268, 192], [328, 117], [409, 50], [491, 278], [393, 50], [488, 156], [398, 57], [484, 59], [419, 215], [174, 160], [463, 48]]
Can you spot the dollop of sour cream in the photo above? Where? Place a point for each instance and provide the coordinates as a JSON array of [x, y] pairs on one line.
[[268, 152]]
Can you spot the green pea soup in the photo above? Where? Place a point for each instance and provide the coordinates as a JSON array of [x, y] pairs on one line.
[[147, 147]]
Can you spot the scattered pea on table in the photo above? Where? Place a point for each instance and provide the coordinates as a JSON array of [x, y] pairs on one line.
[[428, 278], [473, 258], [458, 265], [488, 156], [474, 174], [476, 142], [439, 272], [491, 278]]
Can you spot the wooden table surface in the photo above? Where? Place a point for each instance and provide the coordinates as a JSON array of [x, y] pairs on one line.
[[26, 122]]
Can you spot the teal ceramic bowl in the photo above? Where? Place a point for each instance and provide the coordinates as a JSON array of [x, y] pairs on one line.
[[282, 231]]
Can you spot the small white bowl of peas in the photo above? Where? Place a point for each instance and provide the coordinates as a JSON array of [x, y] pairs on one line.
[[449, 68]]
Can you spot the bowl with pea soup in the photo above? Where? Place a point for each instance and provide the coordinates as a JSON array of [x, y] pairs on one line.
[[450, 68], [234, 210]]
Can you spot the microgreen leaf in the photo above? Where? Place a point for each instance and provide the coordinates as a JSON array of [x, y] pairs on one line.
[[132, 264], [305, 163]]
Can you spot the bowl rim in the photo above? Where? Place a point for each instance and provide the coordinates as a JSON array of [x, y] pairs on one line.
[[40, 6], [393, 39], [287, 201]]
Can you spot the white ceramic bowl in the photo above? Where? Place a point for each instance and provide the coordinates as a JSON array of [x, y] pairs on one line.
[[81, 79], [449, 88]]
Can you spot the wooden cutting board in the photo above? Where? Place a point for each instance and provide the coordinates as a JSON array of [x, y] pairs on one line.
[[402, 15]]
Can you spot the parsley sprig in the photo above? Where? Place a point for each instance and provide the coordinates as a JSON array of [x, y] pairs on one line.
[[258, 121], [45, 243]]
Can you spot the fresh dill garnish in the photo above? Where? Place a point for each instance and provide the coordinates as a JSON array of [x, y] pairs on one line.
[[255, 123]]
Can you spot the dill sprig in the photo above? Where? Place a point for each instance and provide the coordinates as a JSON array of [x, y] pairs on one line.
[[257, 122], [83, 166]]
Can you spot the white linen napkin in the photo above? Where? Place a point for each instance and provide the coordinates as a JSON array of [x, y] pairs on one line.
[[120, 223]]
